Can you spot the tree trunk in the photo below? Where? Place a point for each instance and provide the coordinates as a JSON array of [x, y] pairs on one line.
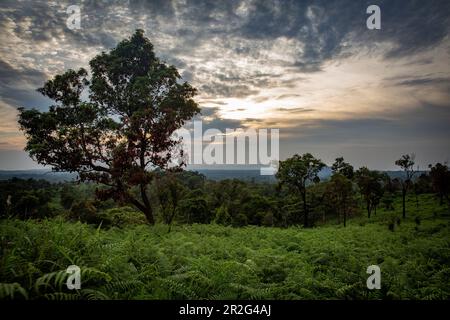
[[417, 200], [345, 219], [305, 210], [404, 202], [148, 212], [345, 215], [148, 209], [171, 218], [368, 209]]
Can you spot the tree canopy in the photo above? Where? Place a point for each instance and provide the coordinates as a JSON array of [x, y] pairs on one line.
[[115, 127], [296, 172]]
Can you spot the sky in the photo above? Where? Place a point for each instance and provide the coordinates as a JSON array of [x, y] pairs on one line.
[[310, 68]]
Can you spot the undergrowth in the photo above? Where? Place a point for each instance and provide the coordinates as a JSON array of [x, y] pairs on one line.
[[216, 262]]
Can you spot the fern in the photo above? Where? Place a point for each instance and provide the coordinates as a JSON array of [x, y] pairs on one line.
[[89, 273], [62, 296], [177, 290], [52, 280], [215, 262], [10, 290], [91, 294]]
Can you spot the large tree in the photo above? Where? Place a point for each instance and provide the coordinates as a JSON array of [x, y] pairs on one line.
[[297, 172], [115, 127], [406, 163]]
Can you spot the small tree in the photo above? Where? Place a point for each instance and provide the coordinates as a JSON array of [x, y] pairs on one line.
[[343, 168], [170, 191], [123, 131], [340, 192], [296, 172], [370, 184], [406, 162], [68, 196], [222, 216], [440, 180], [195, 209]]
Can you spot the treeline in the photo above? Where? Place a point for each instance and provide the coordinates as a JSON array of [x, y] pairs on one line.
[[26, 198], [299, 197]]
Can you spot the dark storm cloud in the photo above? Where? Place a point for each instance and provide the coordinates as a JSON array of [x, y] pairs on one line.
[[17, 87], [43, 21], [415, 25], [10, 75], [211, 119], [324, 28], [323, 25]]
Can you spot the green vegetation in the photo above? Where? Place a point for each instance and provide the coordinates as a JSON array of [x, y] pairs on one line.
[[141, 228], [218, 262]]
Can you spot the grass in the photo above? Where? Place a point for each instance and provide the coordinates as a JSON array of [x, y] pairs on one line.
[[216, 262]]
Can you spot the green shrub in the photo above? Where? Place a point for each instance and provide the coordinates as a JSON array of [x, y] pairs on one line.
[[222, 216], [121, 217], [84, 211]]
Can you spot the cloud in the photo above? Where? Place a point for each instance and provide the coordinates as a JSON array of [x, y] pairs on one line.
[[249, 57], [219, 90], [374, 141], [18, 86], [211, 119], [424, 81], [294, 110]]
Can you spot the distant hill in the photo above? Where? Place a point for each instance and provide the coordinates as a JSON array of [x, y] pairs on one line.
[[37, 174], [213, 174], [252, 174], [401, 174]]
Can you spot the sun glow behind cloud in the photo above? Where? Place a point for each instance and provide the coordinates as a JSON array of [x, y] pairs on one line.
[[361, 85]]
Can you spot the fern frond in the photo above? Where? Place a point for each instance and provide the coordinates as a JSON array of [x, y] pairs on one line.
[[91, 294], [178, 290], [88, 273], [124, 286], [53, 280], [9, 290], [62, 296]]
